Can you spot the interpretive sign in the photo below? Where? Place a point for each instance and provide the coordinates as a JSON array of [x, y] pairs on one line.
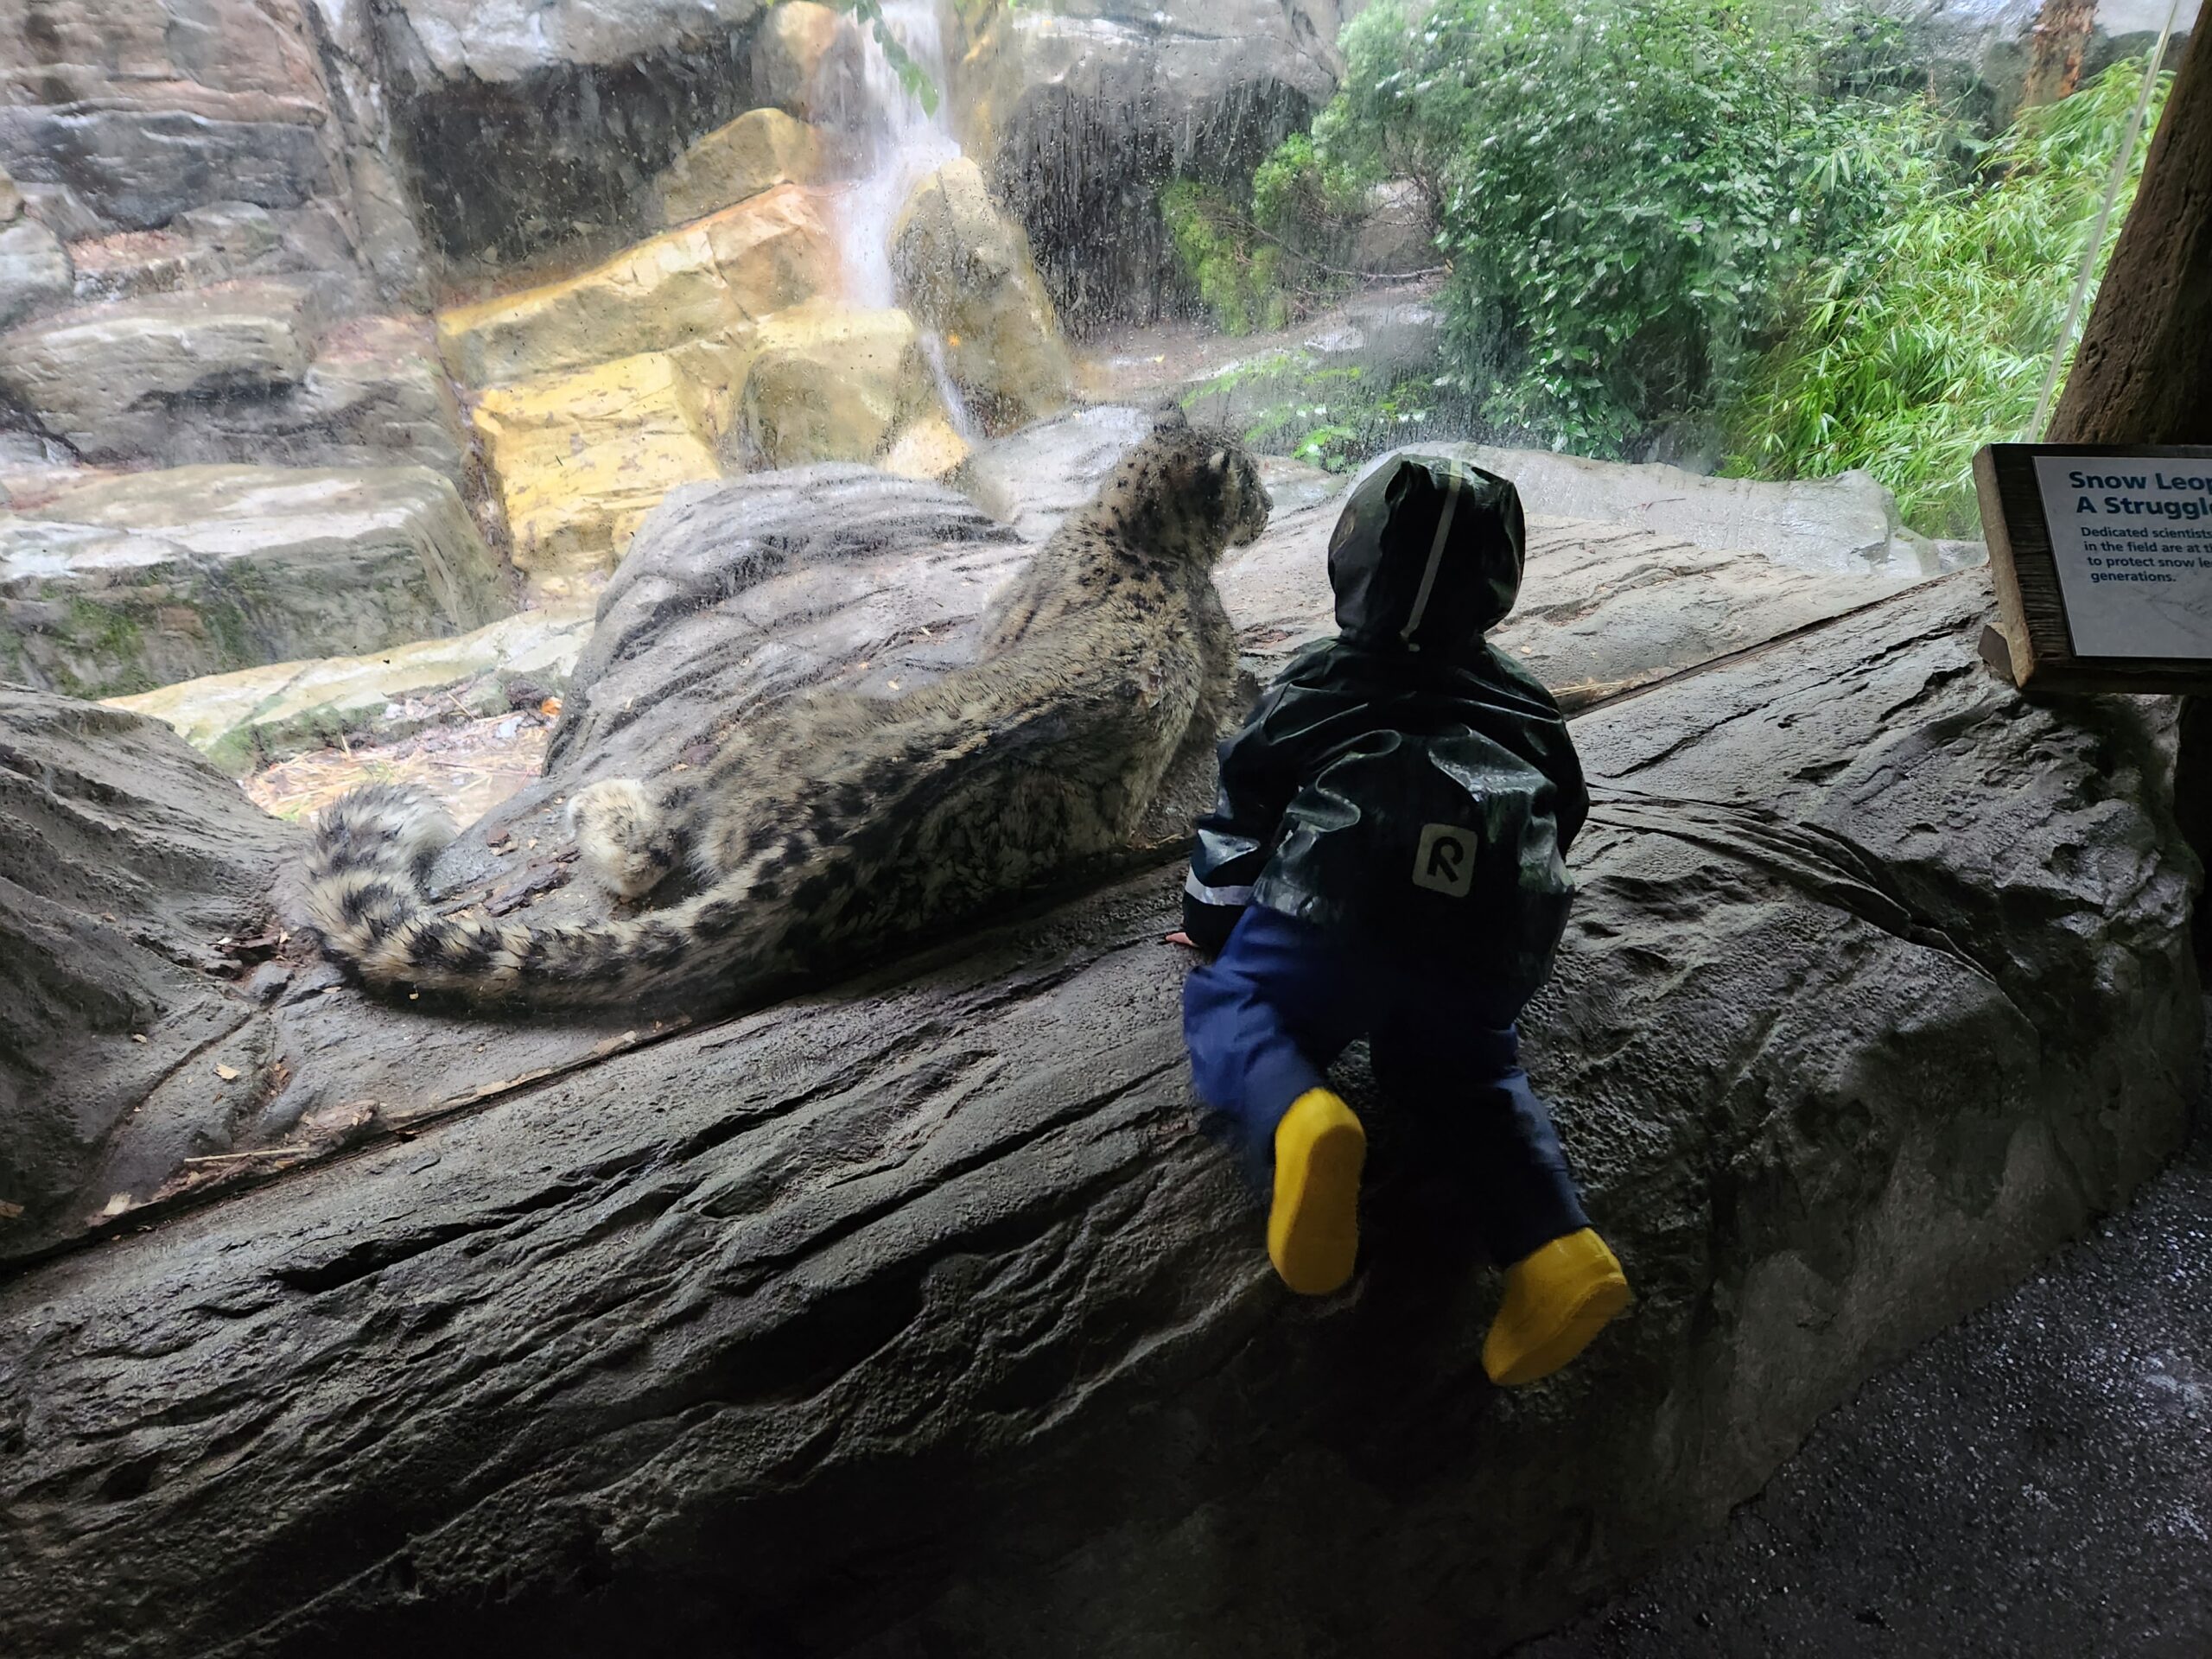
[[2102, 557]]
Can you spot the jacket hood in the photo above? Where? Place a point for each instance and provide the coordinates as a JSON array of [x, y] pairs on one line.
[[1426, 555]]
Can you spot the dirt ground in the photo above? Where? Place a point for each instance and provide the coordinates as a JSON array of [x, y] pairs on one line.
[[470, 766]]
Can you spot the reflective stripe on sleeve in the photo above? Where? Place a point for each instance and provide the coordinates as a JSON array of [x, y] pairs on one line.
[[1206, 895]]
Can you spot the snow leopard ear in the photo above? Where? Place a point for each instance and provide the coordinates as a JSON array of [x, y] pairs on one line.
[[1169, 415]]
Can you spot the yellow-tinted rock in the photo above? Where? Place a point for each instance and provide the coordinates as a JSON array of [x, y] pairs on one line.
[[758, 151], [832, 385], [710, 380], [927, 450], [582, 457], [964, 269], [692, 283]]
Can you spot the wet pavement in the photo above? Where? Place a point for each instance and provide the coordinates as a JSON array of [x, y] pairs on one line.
[[2036, 1481]]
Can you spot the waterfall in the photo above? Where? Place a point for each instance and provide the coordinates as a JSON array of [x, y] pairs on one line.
[[901, 144]]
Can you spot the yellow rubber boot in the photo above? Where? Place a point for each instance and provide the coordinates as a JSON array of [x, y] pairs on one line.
[[1556, 1299], [1313, 1229]]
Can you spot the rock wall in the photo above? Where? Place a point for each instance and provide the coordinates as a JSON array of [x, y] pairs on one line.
[[916, 1317], [229, 271], [526, 130], [642, 276], [1079, 113], [143, 109]]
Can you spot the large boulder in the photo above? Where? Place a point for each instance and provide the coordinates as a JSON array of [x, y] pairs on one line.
[[502, 115], [1080, 114], [750, 591], [123, 583], [35, 269], [242, 371], [805, 62], [830, 384], [758, 151], [144, 109], [1847, 524], [127, 860], [107, 379], [912, 1317], [701, 282], [964, 270], [582, 456]]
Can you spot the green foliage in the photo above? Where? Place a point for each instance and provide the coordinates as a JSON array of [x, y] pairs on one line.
[[915, 78], [1305, 201], [1352, 414], [1255, 268], [1238, 276], [1333, 418], [1627, 187], [1754, 212], [1931, 333]]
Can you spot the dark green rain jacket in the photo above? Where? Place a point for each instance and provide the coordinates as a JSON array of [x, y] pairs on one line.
[[1406, 781]]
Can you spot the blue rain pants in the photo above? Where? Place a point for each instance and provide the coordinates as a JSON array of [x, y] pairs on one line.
[[1266, 1018]]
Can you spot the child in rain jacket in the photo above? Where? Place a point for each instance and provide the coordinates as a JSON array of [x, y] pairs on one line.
[[1387, 860]]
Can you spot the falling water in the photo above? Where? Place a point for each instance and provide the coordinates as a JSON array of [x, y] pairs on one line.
[[901, 144]]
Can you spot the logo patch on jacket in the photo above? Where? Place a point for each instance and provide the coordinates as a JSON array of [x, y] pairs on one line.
[[1445, 861]]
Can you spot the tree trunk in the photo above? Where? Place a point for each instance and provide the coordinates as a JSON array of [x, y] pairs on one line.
[[2061, 34], [2144, 372]]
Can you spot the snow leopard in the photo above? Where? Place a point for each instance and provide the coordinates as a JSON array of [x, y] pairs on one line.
[[838, 823]]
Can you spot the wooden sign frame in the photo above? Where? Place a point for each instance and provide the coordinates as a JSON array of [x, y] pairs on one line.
[[2031, 605]]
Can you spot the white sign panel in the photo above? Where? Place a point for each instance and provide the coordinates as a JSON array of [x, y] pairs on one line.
[[2134, 543]]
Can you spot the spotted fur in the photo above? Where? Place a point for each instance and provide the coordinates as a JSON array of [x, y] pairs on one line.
[[841, 821]]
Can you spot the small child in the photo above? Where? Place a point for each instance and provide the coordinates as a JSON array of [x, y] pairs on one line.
[[1387, 860]]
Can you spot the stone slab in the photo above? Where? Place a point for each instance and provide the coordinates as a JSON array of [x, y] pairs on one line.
[[125, 583], [701, 282], [245, 720]]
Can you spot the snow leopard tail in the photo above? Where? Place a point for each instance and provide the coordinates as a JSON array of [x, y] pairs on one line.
[[366, 865]]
